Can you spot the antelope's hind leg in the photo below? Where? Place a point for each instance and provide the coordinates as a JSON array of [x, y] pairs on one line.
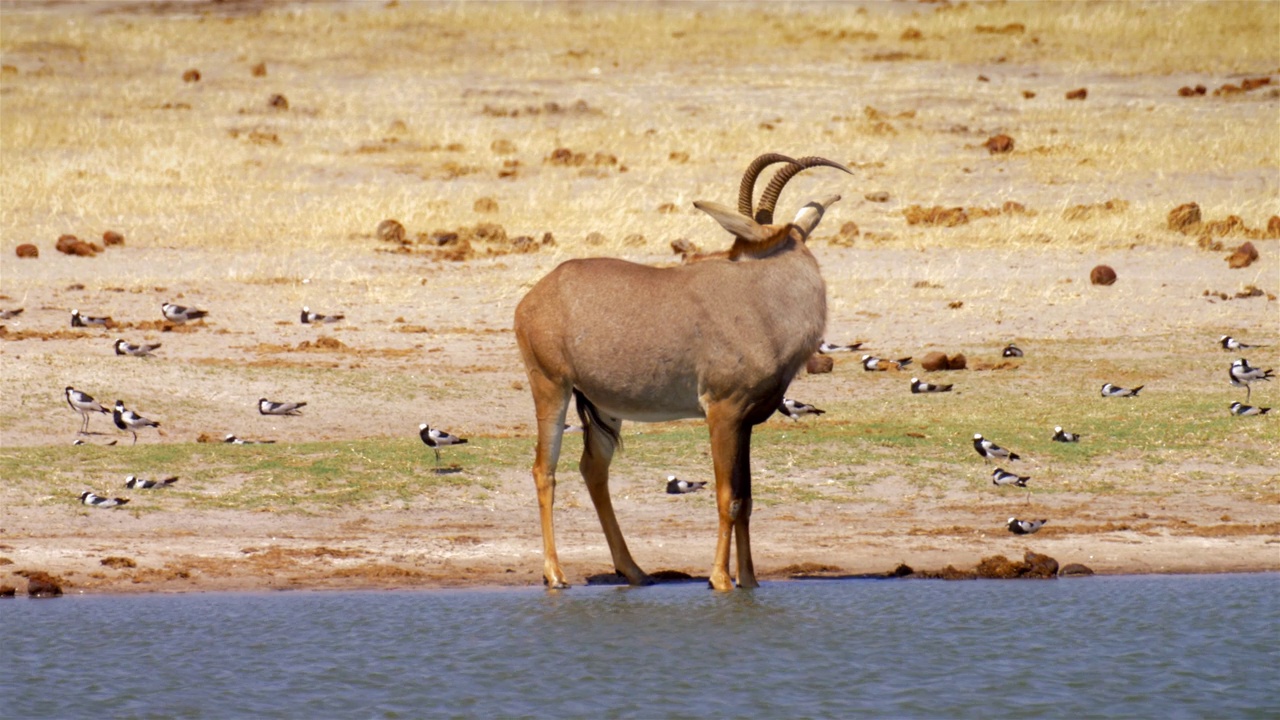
[[600, 440], [551, 402], [730, 454]]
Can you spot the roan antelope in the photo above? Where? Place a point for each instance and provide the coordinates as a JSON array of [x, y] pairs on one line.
[[719, 338]]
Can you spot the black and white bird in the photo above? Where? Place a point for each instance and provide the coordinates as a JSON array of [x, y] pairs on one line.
[[872, 363], [1243, 410], [1229, 343], [827, 348], [989, 450], [78, 320], [10, 314], [84, 404], [1011, 350], [1005, 479], [79, 441], [143, 350], [436, 439], [179, 314], [314, 318], [1060, 435], [676, 486], [89, 498], [572, 429], [1025, 527], [131, 421], [1114, 391], [134, 483], [266, 407], [795, 409], [924, 387], [233, 440], [1242, 374]]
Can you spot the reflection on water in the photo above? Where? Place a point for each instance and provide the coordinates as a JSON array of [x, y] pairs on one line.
[[1152, 646]]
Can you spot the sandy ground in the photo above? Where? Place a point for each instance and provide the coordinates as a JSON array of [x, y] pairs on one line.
[[462, 539], [252, 211]]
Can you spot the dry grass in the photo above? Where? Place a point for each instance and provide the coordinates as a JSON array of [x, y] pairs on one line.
[[100, 130]]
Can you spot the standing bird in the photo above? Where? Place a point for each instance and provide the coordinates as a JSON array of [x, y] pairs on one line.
[[1000, 478], [1011, 350], [266, 407], [1243, 410], [795, 409], [871, 363], [1242, 374], [179, 314], [131, 421], [309, 318], [924, 387], [1060, 435], [988, 449], [1229, 343], [827, 348], [1113, 391], [84, 404], [675, 486], [1025, 527], [133, 483], [436, 439], [144, 350], [89, 498], [78, 320]]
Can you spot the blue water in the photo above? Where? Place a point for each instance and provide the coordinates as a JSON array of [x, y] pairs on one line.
[[1149, 646]]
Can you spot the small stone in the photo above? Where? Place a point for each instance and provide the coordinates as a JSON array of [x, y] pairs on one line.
[[1243, 256], [999, 144], [259, 70], [391, 231], [1102, 275], [191, 76], [819, 364], [1078, 94], [1184, 218], [111, 237], [278, 102], [1075, 570], [27, 250], [934, 361]]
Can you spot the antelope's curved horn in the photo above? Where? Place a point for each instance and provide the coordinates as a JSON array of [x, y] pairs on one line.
[[769, 198], [811, 214], [748, 186]]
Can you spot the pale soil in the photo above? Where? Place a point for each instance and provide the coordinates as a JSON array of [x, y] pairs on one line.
[[252, 213], [493, 539]]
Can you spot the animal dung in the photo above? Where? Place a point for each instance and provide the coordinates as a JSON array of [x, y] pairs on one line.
[[1243, 256], [278, 102], [27, 250], [72, 245], [999, 144], [111, 237], [1102, 275], [259, 70], [1188, 91], [1078, 94], [192, 75]]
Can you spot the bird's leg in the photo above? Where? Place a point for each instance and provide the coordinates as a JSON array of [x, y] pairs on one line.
[[135, 437]]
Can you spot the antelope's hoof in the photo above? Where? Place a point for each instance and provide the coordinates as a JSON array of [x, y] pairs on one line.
[[748, 583], [643, 580], [555, 584], [720, 582]]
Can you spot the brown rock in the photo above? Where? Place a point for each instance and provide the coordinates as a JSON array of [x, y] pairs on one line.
[[998, 144], [72, 245], [1039, 566], [934, 361], [8, 591], [391, 231], [1273, 228], [819, 364], [191, 76], [27, 250], [111, 237], [41, 584], [999, 567], [1254, 83], [485, 205], [1075, 570], [1102, 275], [1184, 218], [259, 70], [1243, 256], [278, 102], [957, 362], [1078, 94]]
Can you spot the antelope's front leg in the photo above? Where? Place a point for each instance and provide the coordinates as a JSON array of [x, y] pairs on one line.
[[742, 532]]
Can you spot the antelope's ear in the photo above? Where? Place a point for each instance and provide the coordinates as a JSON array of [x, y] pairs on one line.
[[737, 224]]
